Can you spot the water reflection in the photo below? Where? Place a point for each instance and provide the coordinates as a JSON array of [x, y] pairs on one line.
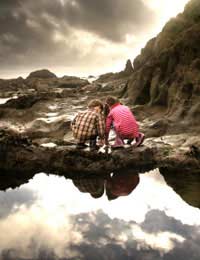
[[49, 218], [187, 185], [114, 185]]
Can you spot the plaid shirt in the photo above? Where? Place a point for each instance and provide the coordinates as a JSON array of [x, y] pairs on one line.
[[91, 186], [88, 124]]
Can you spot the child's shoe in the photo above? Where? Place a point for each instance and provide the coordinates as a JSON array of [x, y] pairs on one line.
[[130, 140], [119, 143], [81, 145], [93, 145], [139, 139]]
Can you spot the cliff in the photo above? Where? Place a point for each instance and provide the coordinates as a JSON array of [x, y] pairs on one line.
[[166, 73]]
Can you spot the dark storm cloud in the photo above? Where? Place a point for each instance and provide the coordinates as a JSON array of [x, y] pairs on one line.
[[28, 28], [111, 19]]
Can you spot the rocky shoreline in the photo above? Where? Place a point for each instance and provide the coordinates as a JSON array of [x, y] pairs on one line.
[[35, 134]]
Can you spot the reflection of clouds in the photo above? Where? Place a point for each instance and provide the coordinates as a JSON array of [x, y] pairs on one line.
[[12, 200], [91, 231], [115, 230], [64, 223], [152, 193], [55, 193], [154, 224], [123, 235], [34, 229]]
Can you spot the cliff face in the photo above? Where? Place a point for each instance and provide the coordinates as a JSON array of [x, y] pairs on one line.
[[167, 72]]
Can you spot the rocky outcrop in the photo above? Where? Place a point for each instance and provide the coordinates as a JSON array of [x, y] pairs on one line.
[[72, 82], [18, 154], [11, 85], [124, 74], [42, 74], [129, 68], [41, 84], [166, 73], [22, 102]]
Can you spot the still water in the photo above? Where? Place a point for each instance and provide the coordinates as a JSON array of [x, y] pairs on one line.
[[50, 218]]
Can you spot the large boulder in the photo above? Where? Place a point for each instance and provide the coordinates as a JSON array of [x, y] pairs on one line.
[[72, 82], [42, 74], [12, 85], [22, 102]]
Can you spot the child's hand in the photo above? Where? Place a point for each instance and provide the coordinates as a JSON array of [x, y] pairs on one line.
[[101, 142], [106, 142]]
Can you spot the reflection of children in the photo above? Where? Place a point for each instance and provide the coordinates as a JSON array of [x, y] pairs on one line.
[[124, 123], [94, 186], [121, 185], [89, 124]]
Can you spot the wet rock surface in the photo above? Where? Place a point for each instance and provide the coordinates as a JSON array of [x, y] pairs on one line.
[[23, 156]]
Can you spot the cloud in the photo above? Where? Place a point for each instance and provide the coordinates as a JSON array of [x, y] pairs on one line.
[[69, 32], [111, 19], [11, 201]]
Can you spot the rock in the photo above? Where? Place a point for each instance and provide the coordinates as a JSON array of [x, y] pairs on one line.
[[72, 82], [42, 74], [106, 77], [2, 113], [110, 77], [91, 88], [12, 85], [19, 154], [166, 73], [129, 68], [159, 128], [56, 130], [22, 102]]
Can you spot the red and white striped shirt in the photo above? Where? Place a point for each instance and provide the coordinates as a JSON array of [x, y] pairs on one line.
[[123, 121]]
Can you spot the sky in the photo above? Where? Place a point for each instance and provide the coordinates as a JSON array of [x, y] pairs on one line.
[[77, 37]]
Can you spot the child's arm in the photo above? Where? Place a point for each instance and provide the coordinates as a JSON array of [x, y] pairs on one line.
[[109, 121], [101, 126], [73, 122]]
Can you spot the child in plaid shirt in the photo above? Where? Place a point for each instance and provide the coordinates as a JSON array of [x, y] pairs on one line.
[[89, 124]]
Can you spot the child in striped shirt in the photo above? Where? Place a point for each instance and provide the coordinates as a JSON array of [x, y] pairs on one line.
[[123, 122]]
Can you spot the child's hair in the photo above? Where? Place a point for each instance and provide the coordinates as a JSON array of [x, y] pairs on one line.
[[111, 100], [98, 193], [109, 194], [95, 103], [106, 109]]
